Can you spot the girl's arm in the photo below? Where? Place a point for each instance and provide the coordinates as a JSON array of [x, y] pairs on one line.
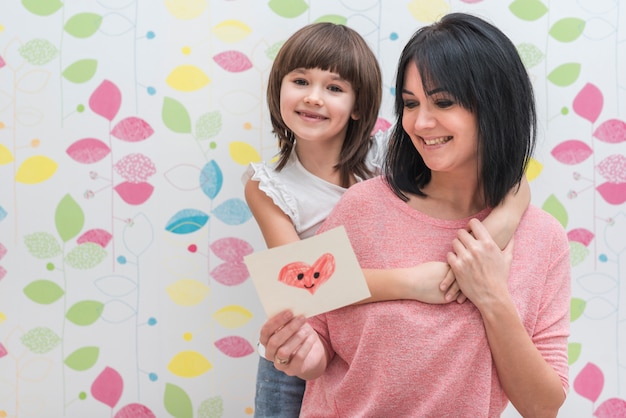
[[504, 218]]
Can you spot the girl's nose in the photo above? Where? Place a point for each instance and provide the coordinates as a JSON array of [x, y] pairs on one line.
[[313, 98]]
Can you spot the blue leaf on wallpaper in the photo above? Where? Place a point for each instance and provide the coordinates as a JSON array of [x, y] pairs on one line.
[[211, 179], [233, 212], [187, 221], [3, 213]]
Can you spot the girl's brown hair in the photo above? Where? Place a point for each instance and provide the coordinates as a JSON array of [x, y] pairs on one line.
[[341, 50]]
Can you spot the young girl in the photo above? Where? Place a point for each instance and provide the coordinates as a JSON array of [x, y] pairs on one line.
[[324, 93]]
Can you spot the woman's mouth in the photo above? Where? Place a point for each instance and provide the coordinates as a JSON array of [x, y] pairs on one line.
[[437, 141]]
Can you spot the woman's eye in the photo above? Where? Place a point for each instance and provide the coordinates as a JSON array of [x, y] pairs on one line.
[[444, 104], [410, 104]]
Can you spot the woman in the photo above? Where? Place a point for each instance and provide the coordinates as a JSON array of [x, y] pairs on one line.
[[465, 130]]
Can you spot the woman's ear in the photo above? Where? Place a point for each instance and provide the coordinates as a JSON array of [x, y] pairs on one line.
[[355, 115]]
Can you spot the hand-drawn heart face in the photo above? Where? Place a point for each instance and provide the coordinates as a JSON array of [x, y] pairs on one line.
[[303, 276]]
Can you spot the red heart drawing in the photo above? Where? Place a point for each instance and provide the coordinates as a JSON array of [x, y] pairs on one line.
[[303, 276]]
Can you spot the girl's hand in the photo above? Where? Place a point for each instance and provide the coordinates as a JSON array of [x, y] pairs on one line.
[[427, 286]]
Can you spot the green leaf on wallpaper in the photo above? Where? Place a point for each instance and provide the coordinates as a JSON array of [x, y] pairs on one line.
[[578, 253], [82, 359], [208, 125], [175, 116], [288, 8], [43, 291], [177, 401], [83, 25], [576, 308], [211, 408], [565, 74], [531, 55], [38, 51], [85, 256], [69, 218], [42, 7], [554, 207], [80, 71], [530, 10], [272, 51], [336, 19], [567, 29], [573, 352], [85, 312], [40, 340], [42, 245]]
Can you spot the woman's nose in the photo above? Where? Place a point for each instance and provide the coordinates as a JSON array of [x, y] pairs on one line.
[[424, 119]]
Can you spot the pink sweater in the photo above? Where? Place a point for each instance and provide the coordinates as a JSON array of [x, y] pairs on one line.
[[410, 359]]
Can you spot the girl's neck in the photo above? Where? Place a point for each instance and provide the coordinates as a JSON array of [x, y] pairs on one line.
[[319, 159]]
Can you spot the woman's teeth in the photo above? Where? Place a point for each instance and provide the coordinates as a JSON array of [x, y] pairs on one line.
[[437, 141]]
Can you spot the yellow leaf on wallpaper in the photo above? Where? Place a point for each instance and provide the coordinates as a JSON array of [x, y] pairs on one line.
[[36, 169], [6, 156], [232, 316], [428, 11], [533, 169], [2, 317], [186, 9], [243, 153], [189, 364], [187, 292], [187, 78], [231, 31]]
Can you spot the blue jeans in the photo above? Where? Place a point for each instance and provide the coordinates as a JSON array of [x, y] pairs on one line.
[[277, 395]]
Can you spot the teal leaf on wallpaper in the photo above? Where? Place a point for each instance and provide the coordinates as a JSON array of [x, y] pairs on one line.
[[211, 408], [336, 19], [288, 8], [85, 312], [567, 29], [68, 218], [187, 221], [43, 291], [80, 71], [578, 253], [38, 51], [232, 212], [85, 256], [42, 245], [530, 10], [588, 102], [531, 55], [612, 131], [573, 352], [572, 151], [40, 340], [83, 358], [273, 49], [106, 100], [42, 7], [177, 402], [554, 207], [83, 25], [175, 116], [612, 193], [211, 179], [565, 74], [208, 125]]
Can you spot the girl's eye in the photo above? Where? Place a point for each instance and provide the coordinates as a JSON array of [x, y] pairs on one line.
[[300, 82], [335, 89]]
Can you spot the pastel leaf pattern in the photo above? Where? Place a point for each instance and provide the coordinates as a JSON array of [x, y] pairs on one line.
[[533, 169], [42, 7], [573, 352], [212, 407], [132, 129], [3, 350], [554, 207], [135, 410], [231, 249], [572, 152], [80, 71], [177, 402], [83, 25], [189, 364], [234, 346], [613, 193], [612, 131], [529, 10], [118, 311], [232, 212], [68, 218], [588, 102], [187, 221], [115, 285], [577, 307], [613, 168], [611, 408], [88, 150], [43, 292], [85, 312], [578, 253], [42, 245], [428, 11], [33, 81], [288, 8], [6, 156], [230, 273], [211, 179], [134, 193], [582, 235], [232, 316], [233, 61], [83, 358], [106, 100], [336, 19], [567, 29], [108, 387], [38, 51], [40, 340], [565, 74], [273, 49], [187, 78], [175, 116], [96, 236], [209, 125], [36, 169], [187, 292], [530, 54], [231, 31], [243, 153], [139, 236], [135, 168], [589, 382]]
